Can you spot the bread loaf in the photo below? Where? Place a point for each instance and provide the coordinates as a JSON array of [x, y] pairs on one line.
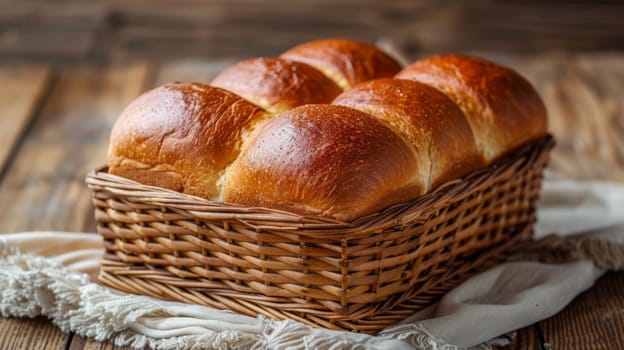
[[277, 84], [181, 137], [265, 134], [435, 128], [347, 62], [326, 160], [502, 107]]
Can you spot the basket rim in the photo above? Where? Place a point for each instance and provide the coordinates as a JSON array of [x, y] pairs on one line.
[[260, 218]]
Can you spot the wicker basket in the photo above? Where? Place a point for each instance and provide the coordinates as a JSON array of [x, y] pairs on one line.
[[358, 276]]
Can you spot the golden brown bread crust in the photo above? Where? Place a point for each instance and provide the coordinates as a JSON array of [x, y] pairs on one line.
[[277, 84], [383, 142], [347, 62], [323, 159], [503, 108], [426, 119], [181, 137]]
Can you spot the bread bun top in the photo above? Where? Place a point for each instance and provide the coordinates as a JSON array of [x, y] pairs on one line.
[[347, 62], [323, 159], [277, 84], [502, 107], [181, 137], [426, 119]]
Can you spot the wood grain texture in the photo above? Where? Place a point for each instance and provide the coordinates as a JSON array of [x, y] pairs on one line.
[[595, 320], [584, 95], [21, 90], [50, 30], [30, 334], [72, 30], [44, 187], [525, 339]]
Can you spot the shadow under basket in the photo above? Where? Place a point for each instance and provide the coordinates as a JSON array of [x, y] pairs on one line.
[[359, 276]]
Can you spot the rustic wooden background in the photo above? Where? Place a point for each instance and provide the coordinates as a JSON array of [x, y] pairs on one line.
[[75, 30], [68, 67]]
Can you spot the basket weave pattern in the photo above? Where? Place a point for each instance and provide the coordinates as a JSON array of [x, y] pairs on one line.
[[359, 276]]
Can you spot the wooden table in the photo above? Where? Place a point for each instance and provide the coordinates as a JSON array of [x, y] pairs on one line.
[[54, 126]]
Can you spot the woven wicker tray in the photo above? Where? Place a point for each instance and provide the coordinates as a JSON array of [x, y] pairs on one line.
[[359, 276]]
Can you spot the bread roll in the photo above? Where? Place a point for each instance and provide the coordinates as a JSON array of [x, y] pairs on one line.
[[347, 62], [502, 107], [324, 159], [277, 84], [181, 137], [383, 142], [440, 137]]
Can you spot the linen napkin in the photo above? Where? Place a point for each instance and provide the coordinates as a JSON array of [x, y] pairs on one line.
[[50, 274]]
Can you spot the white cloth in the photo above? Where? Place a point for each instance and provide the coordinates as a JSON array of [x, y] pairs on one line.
[[51, 277], [572, 206]]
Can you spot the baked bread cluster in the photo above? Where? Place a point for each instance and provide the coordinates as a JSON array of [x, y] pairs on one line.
[[332, 127]]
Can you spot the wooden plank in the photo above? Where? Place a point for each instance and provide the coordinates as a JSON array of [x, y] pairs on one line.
[[162, 30], [584, 95], [79, 343], [525, 339], [21, 90], [242, 28], [595, 319], [50, 30], [44, 187], [27, 334]]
